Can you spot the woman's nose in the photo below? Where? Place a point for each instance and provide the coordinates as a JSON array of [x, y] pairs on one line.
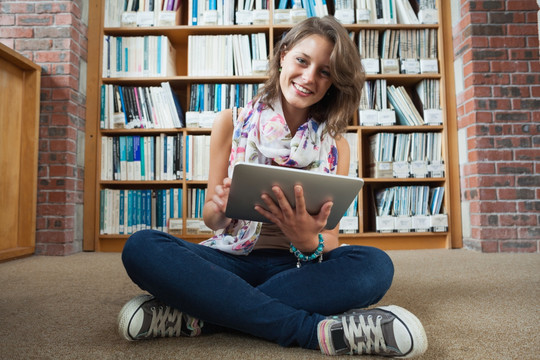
[[309, 74]]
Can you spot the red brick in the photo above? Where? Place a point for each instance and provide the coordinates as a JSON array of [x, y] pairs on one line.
[[519, 246], [55, 210], [527, 154], [517, 220], [524, 54], [17, 8], [516, 194], [491, 79], [496, 180], [490, 246], [7, 20], [525, 79], [63, 19], [481, 91], [531, 233], [61, 196], [63, 145], [480, 143], [522, 29], [514, 168], [55, 236], [497, 206], [509, 66], [498, 233], [60, 223], [14, 32], [55, 7], [34, 20], [511, 91]]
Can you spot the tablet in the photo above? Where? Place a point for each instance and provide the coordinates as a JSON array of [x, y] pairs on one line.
[[250, 181]]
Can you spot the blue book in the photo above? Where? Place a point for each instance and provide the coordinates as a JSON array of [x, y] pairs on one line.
[[159, 225], [136, 157], [143, 144], [201, 98], [107, 45], [122, 101], [179, 110], [180, 203], [148, 213], [159, 55], [129, 212], [194, 13], [123, 158], [217, 104], [102, 107], [164, 209], [171, 203], [146, 62], [138, 212], [283, 4], [118, 55], [102, 196], [129, 157], [121, 215], [197, 195]]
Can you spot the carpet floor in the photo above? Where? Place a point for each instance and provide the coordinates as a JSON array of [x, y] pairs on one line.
[[472, 305]]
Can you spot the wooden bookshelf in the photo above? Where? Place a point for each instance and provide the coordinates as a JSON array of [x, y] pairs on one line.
[[181, 84], [19, 121]]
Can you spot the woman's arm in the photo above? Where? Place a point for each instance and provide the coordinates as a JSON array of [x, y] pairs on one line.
[[218, 182]]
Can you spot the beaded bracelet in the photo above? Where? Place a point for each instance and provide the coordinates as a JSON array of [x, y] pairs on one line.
[[317, 254]]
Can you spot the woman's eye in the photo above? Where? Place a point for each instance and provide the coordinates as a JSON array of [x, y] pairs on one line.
[[301, 61], [325, 73]]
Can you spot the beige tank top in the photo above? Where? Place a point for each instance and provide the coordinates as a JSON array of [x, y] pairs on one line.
[[271, 237]]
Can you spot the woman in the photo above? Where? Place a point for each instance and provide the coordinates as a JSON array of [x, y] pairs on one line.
[[246, 277]]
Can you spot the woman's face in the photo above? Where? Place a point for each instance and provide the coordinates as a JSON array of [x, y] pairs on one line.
[[305, 73]]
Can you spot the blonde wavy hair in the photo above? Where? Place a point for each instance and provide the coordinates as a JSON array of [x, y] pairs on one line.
[[340, 103]]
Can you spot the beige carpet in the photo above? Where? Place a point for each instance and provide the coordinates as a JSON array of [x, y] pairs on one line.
[[473, 306]]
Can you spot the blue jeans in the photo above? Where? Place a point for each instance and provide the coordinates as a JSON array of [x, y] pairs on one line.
[[263, 294]]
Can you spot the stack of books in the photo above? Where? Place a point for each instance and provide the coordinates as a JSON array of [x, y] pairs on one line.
[[409, 208]]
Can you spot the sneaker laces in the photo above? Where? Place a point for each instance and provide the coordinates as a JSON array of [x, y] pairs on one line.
[[165, 323], [364, 336]]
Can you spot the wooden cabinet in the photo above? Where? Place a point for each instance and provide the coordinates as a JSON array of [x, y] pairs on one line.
[[19, 121], [181, 83]]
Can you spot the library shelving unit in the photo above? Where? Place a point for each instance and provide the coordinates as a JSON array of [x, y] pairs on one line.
[[181, 83], [20, 81]]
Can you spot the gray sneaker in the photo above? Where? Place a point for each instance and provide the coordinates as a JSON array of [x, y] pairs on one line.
[[385, 331], [146, 317]]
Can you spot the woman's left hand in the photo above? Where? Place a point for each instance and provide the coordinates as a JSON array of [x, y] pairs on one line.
[[297, 224]]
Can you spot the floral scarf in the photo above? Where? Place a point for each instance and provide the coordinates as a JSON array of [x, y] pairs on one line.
[[261, 136]]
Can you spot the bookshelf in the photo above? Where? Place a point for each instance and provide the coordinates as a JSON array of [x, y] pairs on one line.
[[182, 83], [19, 119]]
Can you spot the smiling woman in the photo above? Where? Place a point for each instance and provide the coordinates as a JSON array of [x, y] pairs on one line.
[[248, 276]]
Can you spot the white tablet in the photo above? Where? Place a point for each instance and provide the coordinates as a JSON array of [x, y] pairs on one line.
[[250, 181]]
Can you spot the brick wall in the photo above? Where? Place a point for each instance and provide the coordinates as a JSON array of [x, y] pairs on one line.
[[498, 95], [53, 35]]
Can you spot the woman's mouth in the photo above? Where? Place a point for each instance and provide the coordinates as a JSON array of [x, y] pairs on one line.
[[302, 89]]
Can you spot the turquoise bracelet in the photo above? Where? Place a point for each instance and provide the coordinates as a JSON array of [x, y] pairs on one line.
[[317, 254]]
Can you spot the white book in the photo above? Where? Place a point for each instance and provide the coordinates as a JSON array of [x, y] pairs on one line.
[[170, 158], [246, 51]]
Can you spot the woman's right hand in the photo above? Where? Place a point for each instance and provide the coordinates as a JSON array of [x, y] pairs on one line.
[[215, 207], [221, 195]]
